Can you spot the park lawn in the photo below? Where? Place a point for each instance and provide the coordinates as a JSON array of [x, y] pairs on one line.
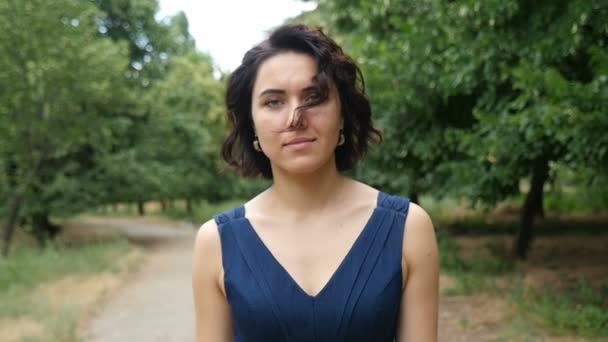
[[558, 294], [48, 294]]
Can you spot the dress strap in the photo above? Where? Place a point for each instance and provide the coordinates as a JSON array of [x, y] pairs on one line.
[[227, 216], [395, 203]]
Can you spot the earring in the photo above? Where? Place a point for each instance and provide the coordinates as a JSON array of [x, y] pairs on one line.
[[256, 144], [342, 138]]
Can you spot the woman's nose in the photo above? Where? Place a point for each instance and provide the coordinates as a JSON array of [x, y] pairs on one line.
[[297, 117]]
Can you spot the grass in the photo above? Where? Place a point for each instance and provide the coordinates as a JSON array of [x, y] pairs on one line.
[[568, 211], [586, 199], [550, 226], [475, 273], [29, 269], [29, 266], [582, 311]]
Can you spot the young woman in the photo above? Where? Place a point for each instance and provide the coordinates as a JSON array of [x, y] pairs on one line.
[[317, 256]]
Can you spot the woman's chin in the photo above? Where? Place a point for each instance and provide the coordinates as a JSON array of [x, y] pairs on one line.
[[302, 166]]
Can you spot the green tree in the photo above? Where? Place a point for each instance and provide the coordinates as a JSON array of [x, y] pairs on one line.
[[137, 172], [183, 132], [476, 96], [151, 43], [57, 79], [101, 103]]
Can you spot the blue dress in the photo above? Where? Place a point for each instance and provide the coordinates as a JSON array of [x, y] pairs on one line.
[[359, 303]]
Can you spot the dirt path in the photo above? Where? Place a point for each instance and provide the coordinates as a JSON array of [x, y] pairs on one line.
[[156, 302]]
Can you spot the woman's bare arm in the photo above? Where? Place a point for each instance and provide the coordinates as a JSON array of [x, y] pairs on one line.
[[213, 322], [420, 301]]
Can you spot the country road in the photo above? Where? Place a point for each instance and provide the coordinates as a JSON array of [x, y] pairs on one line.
[[156, 302]]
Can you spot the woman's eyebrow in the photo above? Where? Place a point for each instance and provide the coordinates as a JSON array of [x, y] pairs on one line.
[[309, 88], [272, 91]]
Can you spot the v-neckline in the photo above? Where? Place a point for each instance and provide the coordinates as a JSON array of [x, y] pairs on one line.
[[336, 272]]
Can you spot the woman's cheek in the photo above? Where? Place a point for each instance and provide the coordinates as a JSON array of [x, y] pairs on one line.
[[270, 121]]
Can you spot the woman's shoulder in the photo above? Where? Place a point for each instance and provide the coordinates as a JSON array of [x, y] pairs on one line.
[[420, 242], [223, 217], [383, 199], [418, 218], [390, 199], [208, 235], [207, 254], [207, 239]]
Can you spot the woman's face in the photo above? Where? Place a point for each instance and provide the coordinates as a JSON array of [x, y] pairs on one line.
[[284, 82]]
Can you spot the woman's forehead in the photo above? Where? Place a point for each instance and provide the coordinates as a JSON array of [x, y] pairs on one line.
[[286, 71]]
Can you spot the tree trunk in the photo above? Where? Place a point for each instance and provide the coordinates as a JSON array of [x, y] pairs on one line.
[[9, 226], [43, 229], [540, 208], [140, 208], [534, 199], [163, 206]]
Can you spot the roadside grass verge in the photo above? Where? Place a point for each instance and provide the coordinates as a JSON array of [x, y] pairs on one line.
[[48, 291]]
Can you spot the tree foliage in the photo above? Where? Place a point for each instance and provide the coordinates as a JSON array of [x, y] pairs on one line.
[[57, 81], [101, 103], [475, 96]]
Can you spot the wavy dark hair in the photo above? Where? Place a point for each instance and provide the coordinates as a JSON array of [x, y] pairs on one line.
[[333, 66]]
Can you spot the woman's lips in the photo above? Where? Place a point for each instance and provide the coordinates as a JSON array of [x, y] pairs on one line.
[[299, 142]]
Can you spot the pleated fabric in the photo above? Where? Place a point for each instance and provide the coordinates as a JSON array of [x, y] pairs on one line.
[[359, 303]]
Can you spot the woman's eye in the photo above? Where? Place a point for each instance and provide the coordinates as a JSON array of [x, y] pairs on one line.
[[312, 97], [272, 103]]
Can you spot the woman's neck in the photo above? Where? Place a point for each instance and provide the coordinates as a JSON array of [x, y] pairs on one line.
[[299, 195]]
